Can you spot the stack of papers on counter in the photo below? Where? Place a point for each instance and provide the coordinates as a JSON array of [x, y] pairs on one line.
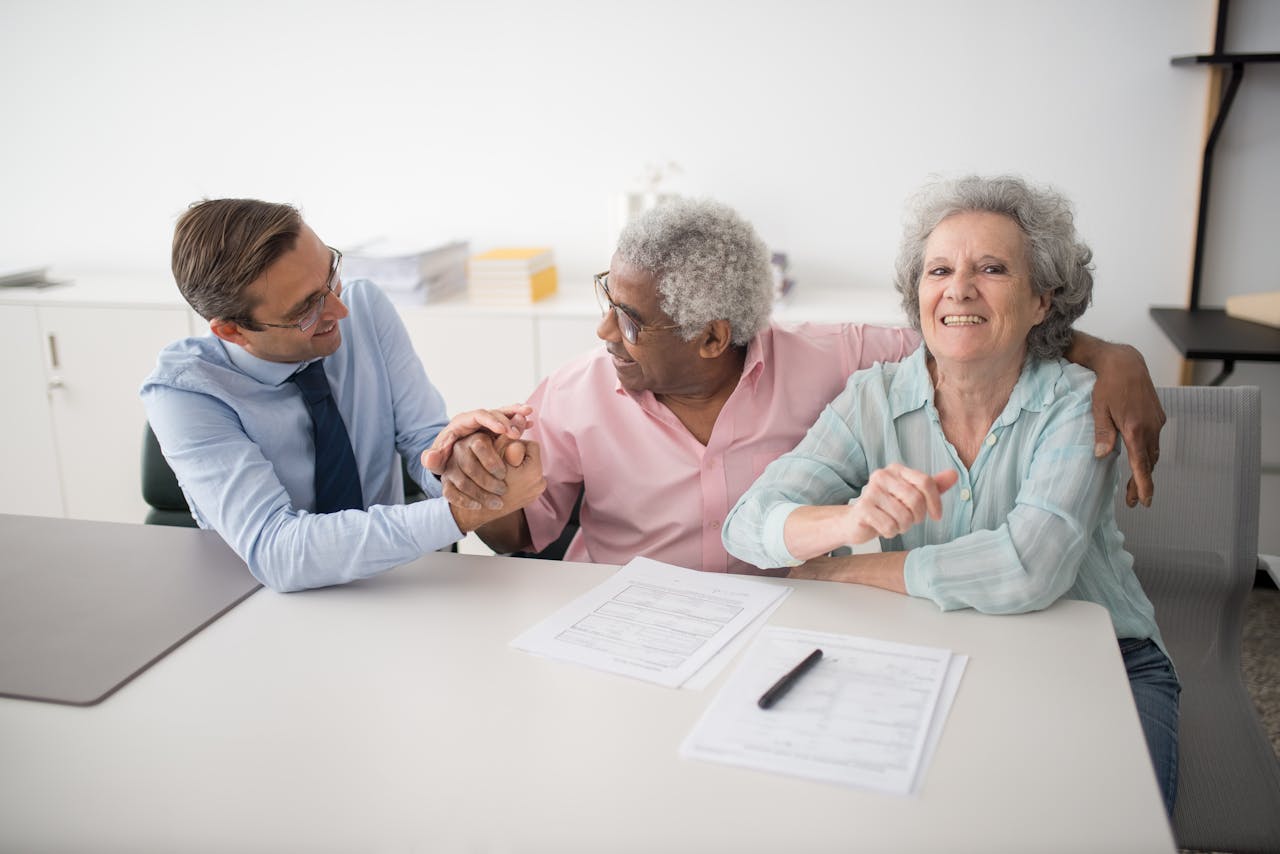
[[409, 274], [25, 276]]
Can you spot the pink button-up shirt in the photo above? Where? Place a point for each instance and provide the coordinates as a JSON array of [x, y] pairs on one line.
[[649, 487]]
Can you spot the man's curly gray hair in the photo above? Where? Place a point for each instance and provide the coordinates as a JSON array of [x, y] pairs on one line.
[[1060, 263], [709, 264]]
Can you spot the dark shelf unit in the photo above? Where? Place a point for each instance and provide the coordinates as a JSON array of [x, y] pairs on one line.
[[1225, 58], [1208, 333]]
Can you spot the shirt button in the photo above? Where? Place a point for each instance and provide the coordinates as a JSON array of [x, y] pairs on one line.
[[991, 440], [964, 495], [715, 524]]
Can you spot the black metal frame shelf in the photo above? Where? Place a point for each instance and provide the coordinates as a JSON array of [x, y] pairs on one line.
[[1210, 334], [1225, 58], [1207, 333]]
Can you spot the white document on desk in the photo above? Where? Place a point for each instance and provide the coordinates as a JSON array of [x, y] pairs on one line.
[[868, 714], [653, 621]]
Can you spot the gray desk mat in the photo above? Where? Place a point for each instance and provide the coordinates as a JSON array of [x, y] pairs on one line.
[[87, 606]]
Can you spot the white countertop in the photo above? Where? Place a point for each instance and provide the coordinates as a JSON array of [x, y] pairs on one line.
[[157, 289]]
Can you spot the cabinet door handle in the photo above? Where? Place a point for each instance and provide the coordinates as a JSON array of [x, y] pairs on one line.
[[53, 352]]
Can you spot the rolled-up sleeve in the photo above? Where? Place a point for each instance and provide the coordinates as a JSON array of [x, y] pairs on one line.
[[827, 467]]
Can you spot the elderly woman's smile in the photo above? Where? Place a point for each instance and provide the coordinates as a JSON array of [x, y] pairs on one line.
[[976, 299]]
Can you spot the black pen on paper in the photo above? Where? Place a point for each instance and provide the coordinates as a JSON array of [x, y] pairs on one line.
[[783, 685]]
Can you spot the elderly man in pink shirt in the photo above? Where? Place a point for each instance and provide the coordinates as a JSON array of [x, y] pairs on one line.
[[696, 391]]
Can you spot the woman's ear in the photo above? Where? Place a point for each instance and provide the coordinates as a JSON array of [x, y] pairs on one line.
[[1046, 301]]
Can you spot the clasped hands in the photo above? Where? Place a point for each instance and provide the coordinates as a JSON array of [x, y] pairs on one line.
[[486, 470], [894, 500]]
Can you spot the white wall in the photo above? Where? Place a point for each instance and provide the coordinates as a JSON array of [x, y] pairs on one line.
[[519, 122]]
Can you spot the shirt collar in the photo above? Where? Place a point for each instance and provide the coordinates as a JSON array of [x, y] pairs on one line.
[[265, 372], [759, 349], [912, 388]]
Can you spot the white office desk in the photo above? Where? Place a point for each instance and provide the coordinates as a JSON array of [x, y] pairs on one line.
[[391, 715]]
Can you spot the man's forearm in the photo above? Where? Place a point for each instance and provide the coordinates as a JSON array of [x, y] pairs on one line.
[[507, 534], [1084, 349], [1089, 351]]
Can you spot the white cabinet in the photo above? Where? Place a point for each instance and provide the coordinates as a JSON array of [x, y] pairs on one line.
[[73, 435], [29, 479], [481, 357], [97, 360], [476, 360], [561, 337]]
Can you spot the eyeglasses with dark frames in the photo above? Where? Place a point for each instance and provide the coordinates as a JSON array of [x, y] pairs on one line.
[[630, 326], [332, 286]]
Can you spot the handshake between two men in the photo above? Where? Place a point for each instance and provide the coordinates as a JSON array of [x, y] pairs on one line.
[[489, 473]]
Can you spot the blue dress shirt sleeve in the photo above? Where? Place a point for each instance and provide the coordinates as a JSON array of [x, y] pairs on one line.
[[240, 446]]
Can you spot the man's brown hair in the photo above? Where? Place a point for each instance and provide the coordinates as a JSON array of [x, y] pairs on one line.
[[221, 246]]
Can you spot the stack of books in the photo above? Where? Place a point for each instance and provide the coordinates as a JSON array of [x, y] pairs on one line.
[[507, 276], [409, 274]]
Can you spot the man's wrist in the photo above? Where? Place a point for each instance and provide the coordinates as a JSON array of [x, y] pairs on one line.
[[466, 520]]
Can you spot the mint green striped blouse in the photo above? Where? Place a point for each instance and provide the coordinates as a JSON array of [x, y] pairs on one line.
[[1031, 522]]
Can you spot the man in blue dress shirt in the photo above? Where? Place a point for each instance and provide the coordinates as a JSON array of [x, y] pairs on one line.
[[231, 418]]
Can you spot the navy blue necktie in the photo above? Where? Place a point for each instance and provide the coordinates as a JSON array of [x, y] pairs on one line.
[[337, 478]]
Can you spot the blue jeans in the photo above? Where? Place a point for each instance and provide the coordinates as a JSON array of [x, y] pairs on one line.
[[1155, 692]]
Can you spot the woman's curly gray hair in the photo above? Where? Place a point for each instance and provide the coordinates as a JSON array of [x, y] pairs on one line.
[[1060, 263], [709, 264]]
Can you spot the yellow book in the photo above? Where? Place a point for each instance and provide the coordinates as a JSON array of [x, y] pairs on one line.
[[506, 288], [513, 259], [543, 284]]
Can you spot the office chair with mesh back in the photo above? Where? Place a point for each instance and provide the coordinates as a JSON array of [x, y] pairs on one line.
[[1195, 552], [168, 506]]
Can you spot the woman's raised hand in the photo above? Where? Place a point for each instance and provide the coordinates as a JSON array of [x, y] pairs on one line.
[[895, 499]]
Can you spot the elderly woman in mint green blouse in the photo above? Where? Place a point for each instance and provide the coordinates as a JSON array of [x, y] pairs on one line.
[[972, 461]]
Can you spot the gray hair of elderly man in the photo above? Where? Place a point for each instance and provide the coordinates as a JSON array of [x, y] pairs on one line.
[[1060, 262], [709, 264]]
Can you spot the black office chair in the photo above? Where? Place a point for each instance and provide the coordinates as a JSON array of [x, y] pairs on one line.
[[556, 550], [168, 506]]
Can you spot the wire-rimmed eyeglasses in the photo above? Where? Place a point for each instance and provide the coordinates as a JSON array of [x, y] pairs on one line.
[[630, 326], [312, 316]]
